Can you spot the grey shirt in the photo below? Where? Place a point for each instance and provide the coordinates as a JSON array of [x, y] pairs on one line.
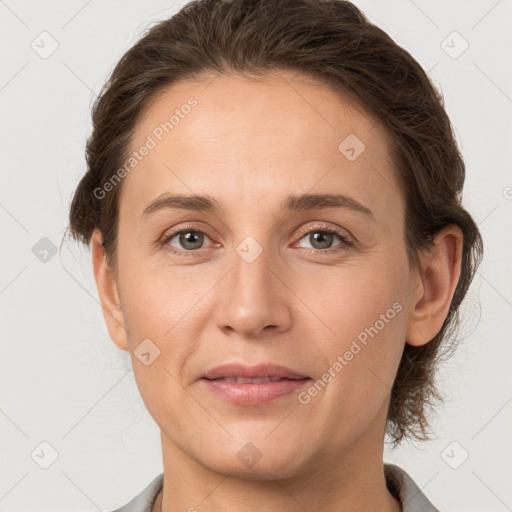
[[400, 484]]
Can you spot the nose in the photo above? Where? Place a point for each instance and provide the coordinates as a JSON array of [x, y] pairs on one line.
[[253, 300]]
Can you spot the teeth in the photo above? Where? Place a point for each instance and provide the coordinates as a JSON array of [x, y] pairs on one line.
[[245, 380]]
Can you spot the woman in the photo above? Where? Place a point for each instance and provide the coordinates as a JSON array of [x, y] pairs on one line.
[[273, 205]]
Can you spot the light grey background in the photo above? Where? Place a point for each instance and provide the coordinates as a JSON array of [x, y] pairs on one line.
[[64, 381]]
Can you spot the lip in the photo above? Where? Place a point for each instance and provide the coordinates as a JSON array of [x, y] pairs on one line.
[[258, 371], [243, 393]]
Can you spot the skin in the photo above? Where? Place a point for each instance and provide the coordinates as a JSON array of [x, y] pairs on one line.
[[249, 144]]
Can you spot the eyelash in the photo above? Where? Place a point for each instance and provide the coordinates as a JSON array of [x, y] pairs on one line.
[[345, 243]]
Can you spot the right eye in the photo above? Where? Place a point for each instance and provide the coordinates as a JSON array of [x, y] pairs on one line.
[[190, 240]]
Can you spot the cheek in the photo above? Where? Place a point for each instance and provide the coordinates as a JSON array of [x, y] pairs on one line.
[[155, 298], [363, 321], [158, 309], [162, 306], [355, 296]]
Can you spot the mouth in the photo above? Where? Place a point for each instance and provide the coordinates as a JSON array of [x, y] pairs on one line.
[[248, 380], [259, 371], [253, 385]]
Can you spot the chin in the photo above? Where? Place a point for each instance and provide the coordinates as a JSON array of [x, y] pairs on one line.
[[261, 461]]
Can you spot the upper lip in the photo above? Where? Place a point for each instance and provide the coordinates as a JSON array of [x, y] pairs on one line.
[[257, 371]]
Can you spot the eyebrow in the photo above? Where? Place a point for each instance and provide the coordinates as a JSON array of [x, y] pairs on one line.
[[294, 203]]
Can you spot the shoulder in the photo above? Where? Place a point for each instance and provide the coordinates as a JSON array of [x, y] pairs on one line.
[[143, 502], [409, 494]]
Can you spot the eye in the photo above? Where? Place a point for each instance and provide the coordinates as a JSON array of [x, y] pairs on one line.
[[185, 240], [321, 239]]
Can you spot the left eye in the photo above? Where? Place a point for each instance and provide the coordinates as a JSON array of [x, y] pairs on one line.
[[322, 239]]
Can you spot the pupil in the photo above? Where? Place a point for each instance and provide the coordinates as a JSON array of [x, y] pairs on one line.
[[188, 238], [319, 237]]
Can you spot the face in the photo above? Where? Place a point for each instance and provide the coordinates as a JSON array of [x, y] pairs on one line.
[[295, 256]]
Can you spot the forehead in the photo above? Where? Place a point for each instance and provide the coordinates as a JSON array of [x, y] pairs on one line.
[[256, 140]]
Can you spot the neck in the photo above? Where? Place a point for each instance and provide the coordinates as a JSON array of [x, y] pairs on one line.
[[349, 480]]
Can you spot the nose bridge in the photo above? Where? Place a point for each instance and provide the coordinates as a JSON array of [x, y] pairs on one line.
[[251, 299], [251, 262]]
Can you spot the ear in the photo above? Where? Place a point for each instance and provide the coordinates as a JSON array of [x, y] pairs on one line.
[[107, 290], [440, 272]]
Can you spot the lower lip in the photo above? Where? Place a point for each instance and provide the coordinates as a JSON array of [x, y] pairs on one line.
[[253, 394]]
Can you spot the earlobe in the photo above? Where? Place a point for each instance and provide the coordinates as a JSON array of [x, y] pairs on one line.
[[441, 267], [107, 290]]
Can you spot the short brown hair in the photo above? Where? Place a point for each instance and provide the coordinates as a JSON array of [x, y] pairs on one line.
[[333, 41]]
